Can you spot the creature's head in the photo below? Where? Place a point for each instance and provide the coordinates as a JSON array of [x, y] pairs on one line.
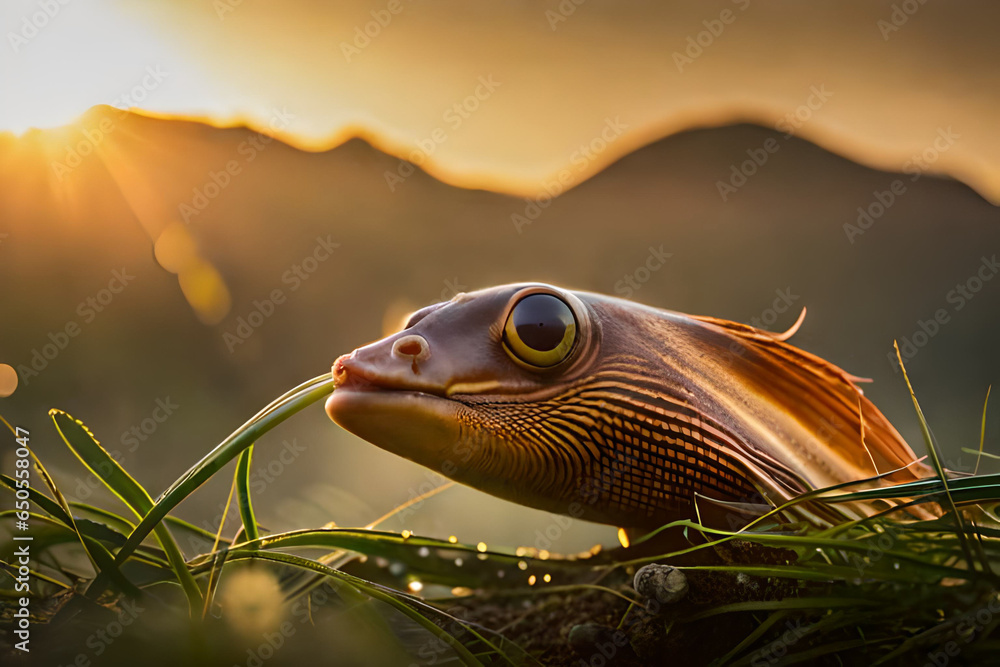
[[593, 406], [481, 389], [508, 342]]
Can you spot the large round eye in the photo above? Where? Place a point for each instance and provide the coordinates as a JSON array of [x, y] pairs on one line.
[[540, 330]]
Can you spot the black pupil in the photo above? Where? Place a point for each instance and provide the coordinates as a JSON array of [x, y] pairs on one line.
[[541, 321]]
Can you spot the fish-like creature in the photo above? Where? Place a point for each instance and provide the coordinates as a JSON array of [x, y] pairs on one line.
[[597, 407]]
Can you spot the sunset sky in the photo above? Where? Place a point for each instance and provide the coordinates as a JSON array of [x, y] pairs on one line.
[[307, 70]]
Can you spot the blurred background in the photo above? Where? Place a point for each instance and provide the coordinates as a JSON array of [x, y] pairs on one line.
[[203, 204]]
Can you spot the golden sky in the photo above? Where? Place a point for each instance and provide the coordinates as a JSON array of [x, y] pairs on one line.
[[882, 83]]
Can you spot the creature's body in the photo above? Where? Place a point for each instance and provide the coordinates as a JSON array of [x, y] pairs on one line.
[[584, 404]]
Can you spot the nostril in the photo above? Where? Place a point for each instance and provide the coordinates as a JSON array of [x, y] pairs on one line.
[[412, 346]]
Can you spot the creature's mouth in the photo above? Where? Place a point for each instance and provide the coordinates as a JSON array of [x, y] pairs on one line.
[[397, 414], [363, 392]]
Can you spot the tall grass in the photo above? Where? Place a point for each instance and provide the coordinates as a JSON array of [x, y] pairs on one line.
[[881, 587]]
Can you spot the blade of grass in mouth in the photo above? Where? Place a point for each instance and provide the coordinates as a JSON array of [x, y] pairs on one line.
[[270, 416]]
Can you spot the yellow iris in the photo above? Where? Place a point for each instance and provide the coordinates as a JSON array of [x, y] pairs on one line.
[[540, 330]]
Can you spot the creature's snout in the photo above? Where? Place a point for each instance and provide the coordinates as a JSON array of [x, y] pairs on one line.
[[397, 363], [393, 394]]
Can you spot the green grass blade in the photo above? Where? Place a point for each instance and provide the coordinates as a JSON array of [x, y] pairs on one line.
[[42, 501], [116, 521], [103, 561], [90, 452], [786, 604], [226, 451], [982, 430], [800, 542], [59, 508], [243, 494], [13, 570], [936, 460], [981, 453], [395, 547], [91, 530], [751, 638], [124, 526], [982, 488]]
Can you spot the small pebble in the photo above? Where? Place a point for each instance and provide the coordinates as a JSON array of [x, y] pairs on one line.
[[663, 583]]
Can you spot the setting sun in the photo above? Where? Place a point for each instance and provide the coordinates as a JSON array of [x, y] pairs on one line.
[[51, 86]]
